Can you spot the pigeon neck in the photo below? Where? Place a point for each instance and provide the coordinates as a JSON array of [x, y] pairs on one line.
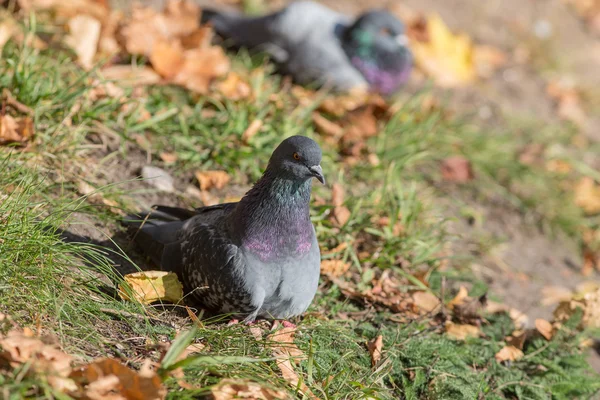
[[274, 217]]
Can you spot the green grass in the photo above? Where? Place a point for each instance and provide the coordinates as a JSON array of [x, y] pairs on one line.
[[44, 281]]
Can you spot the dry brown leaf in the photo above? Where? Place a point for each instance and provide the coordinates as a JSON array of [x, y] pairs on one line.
[[167, 58], [462, 331], [229, 389], [84, 34], [509, 353], [457, 169], [375, 347], [544, 328], [282, 343], [588, 302], [360, 124], [446, 57], [131, 75], [427, 302], [234, 87], [518, 338], [151, 286], [212, 179], [200, 67], [252, 130], [168, 158], [326, 127], [487, 59], [20, 347], [8, 29], [519, 318], [146, 25], [340, 213], [334, 268], [460, 298], [555, 294], [107, 378], [15, 130], [587, 195]]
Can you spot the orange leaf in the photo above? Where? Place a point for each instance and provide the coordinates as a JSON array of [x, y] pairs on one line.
[[544, 328], [375, 347], [15, 130], [252, 130], [212, 179], [509, 353]]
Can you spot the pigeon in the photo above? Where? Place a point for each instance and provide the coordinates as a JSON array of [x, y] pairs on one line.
[[258, 257], [315, 44]]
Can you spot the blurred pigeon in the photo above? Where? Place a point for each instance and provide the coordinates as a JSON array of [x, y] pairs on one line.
[[313, 43], [255, 258]]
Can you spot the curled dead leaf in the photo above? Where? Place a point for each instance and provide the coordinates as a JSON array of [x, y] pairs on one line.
[[587, 195], [229, 389], [15, 130], [462, 331], [106, 377], [457, 169], [544, 328], [375, 347], [334, 268], [509, 353], [234, 87], [252, 130], [151, 286], [212, 179]]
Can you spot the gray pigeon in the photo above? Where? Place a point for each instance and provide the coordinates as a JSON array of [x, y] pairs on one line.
[[313, 43], [255, 258]]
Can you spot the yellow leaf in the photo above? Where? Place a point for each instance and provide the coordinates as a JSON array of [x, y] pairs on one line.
[[151, 286], [462, 331], [587, 196], [446, 57], [509, 353]]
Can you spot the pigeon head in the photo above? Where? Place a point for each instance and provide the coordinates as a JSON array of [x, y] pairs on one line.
[[377, 47], [297, 158]]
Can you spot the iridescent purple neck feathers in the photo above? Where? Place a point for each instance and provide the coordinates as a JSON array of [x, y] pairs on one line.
[[273, 218], [381, 80]]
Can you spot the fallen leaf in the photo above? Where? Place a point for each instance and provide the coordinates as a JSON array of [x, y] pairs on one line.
[[334, 268], [555, 294], [84, 34], [518, 338], [427, 302], [446, 57], [234, 87], [200, 67], [487, 59], [462, 331], [19, 347], [544, 328], [15, 130], [375, 347], [168, 158], [282, 343], [146, 25], [229, 389], [509, 353], [167, 58], [252, 130], [151, 286], [131, 75], [457, 169], [212, 179], [105, 378], [460, 298], [8, 28], [587, 195], [326, 127]]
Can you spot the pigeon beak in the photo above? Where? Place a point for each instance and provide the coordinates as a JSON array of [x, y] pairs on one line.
[[317, 172], [402, 40]]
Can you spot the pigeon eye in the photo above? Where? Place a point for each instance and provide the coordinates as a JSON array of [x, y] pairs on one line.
[[296, 156]]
